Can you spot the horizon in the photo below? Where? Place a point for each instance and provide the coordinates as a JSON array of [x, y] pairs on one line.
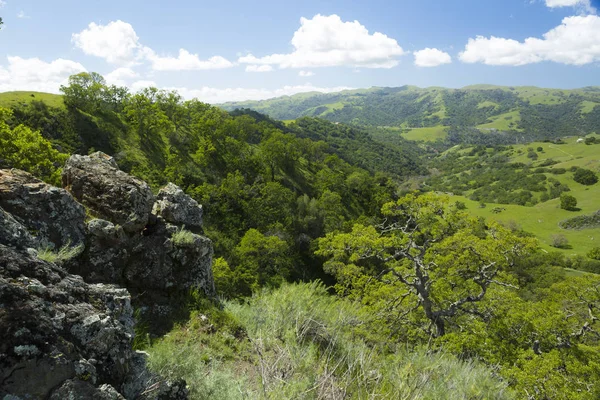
[[263, 51]]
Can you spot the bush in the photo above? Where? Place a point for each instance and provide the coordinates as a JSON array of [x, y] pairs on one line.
[[460, 205], [26, 149], [568, 202], [585, 176], [582, 222], [559, 241], [594, 253]]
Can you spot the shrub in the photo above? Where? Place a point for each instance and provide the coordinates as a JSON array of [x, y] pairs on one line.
[[568, 202], [594, 253], [585, 176], [559, 241], [460, 205], [582, 222]]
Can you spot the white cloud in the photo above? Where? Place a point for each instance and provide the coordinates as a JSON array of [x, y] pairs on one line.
[[327, 41], [575, 42], [306, 73], [259, 68], [120, 76], [2, 3], [21, 14], [215, 96], [142, 84], [185, 62], [585, 5], [118, 43], [37, 75], [431, 58]]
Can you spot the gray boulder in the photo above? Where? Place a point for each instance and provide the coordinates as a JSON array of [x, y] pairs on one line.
[[156, 269], [12, 233], [111, 194], [176, 207], [50, 213], [61, 335]]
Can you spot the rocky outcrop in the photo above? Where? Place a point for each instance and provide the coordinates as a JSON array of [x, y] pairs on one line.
[[139, 256], [176, 207], [49, 213], [62, 336], [97, 183], [68, 327]]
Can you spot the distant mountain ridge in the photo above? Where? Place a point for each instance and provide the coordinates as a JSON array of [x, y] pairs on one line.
[[530, 110]]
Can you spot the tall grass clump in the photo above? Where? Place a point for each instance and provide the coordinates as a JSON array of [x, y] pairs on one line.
[[299, 342], [65, 253], [182, 237]]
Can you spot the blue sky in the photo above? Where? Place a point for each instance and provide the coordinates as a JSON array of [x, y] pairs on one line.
[[235, 50]]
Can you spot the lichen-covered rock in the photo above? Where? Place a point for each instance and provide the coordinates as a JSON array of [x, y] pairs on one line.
[[12, 233], [49, 213], [111, 194], [156, 270], [176, 207], [61, 335], [75, 389]]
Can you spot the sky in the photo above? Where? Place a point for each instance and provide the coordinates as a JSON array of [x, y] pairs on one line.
[[220, 51]]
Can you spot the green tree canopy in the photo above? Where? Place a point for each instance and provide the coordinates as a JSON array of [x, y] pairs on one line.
[[568, 202], [585, 176], [428, 263], [26, 149]]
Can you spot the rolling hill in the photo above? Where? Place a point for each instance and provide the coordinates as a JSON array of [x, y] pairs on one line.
[[428, 113]]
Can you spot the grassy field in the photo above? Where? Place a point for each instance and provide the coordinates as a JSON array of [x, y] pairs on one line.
[[543, 218], [426, 134], [502, 122], [11, 99]]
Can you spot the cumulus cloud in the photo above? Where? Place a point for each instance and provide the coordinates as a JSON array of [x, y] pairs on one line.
[[118, 43], [306, 73], [142, 84], [215, 95], [431, 58], [121, 76], [21, 14], [35, 74], [585, 5], [186, 62], [575, 42], [259, 68], [327, 41]]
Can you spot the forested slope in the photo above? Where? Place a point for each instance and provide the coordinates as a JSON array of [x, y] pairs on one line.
[[534, 113]]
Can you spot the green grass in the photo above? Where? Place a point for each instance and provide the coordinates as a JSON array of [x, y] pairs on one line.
[[543, 218], [182, 237], [502, 122], [487, 103], [11, 99], [299, 342], [429, 134], [57, 256], [588, 106]]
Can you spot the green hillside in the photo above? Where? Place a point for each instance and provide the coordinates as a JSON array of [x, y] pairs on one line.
[[12, 99], [538, 113], [516, 198]]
